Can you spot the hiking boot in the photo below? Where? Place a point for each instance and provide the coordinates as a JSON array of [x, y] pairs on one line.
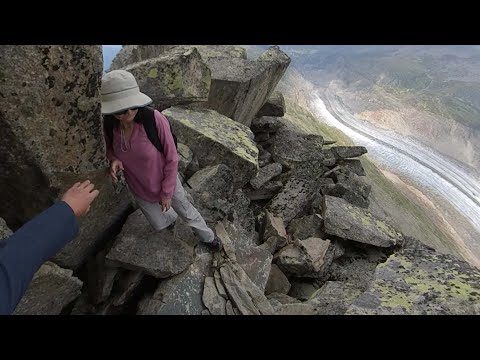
[[215, 245]]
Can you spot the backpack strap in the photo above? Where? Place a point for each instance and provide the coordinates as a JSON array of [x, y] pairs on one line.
[[151, 130], [149, 123]]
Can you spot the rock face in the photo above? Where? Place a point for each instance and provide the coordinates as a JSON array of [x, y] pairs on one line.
[[216, 139], [50, 105], [418, 281], [51, 289], [174, 78]]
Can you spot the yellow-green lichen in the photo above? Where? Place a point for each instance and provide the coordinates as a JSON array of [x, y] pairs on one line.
[[393, 299], [366, 220], [224, 131], [462, 290], [385, 228], [173, 79], [153, 73]]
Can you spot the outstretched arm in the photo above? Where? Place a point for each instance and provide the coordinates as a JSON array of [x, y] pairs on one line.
[[22, 254]]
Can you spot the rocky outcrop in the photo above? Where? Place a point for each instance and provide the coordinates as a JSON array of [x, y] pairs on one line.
[[50, 116], [420, 281], [241, 87], [216, 139], [174, 78], [130, 54], [292, 214]]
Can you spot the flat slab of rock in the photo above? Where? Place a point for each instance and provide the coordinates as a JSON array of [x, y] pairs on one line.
[[353, 223], [140, 248]]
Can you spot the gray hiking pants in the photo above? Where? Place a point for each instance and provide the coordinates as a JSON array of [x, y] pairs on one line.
[[180, 207]]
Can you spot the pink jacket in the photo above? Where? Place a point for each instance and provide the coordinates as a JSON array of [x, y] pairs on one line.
[[149, 174]]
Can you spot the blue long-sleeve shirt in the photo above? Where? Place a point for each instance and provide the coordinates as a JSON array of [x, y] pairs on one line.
[[22, 254]]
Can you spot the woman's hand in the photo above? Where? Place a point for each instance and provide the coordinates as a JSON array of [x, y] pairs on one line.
[[166, 204], [114, 167]]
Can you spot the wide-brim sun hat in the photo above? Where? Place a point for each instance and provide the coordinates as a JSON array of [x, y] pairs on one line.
[[120, 91]]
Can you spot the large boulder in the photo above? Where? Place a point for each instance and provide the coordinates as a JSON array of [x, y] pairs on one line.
[[175, 78], [353, 223], [52, 137], [216, 139], [241, 87], [420, 281], [130, 54], [51, 289]]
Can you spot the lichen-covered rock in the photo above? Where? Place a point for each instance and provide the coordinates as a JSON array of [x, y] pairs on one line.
[[420, 281], [241, 87], [130, 54], [174, 78], [353, 223], [216, 139], [52, 137]]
